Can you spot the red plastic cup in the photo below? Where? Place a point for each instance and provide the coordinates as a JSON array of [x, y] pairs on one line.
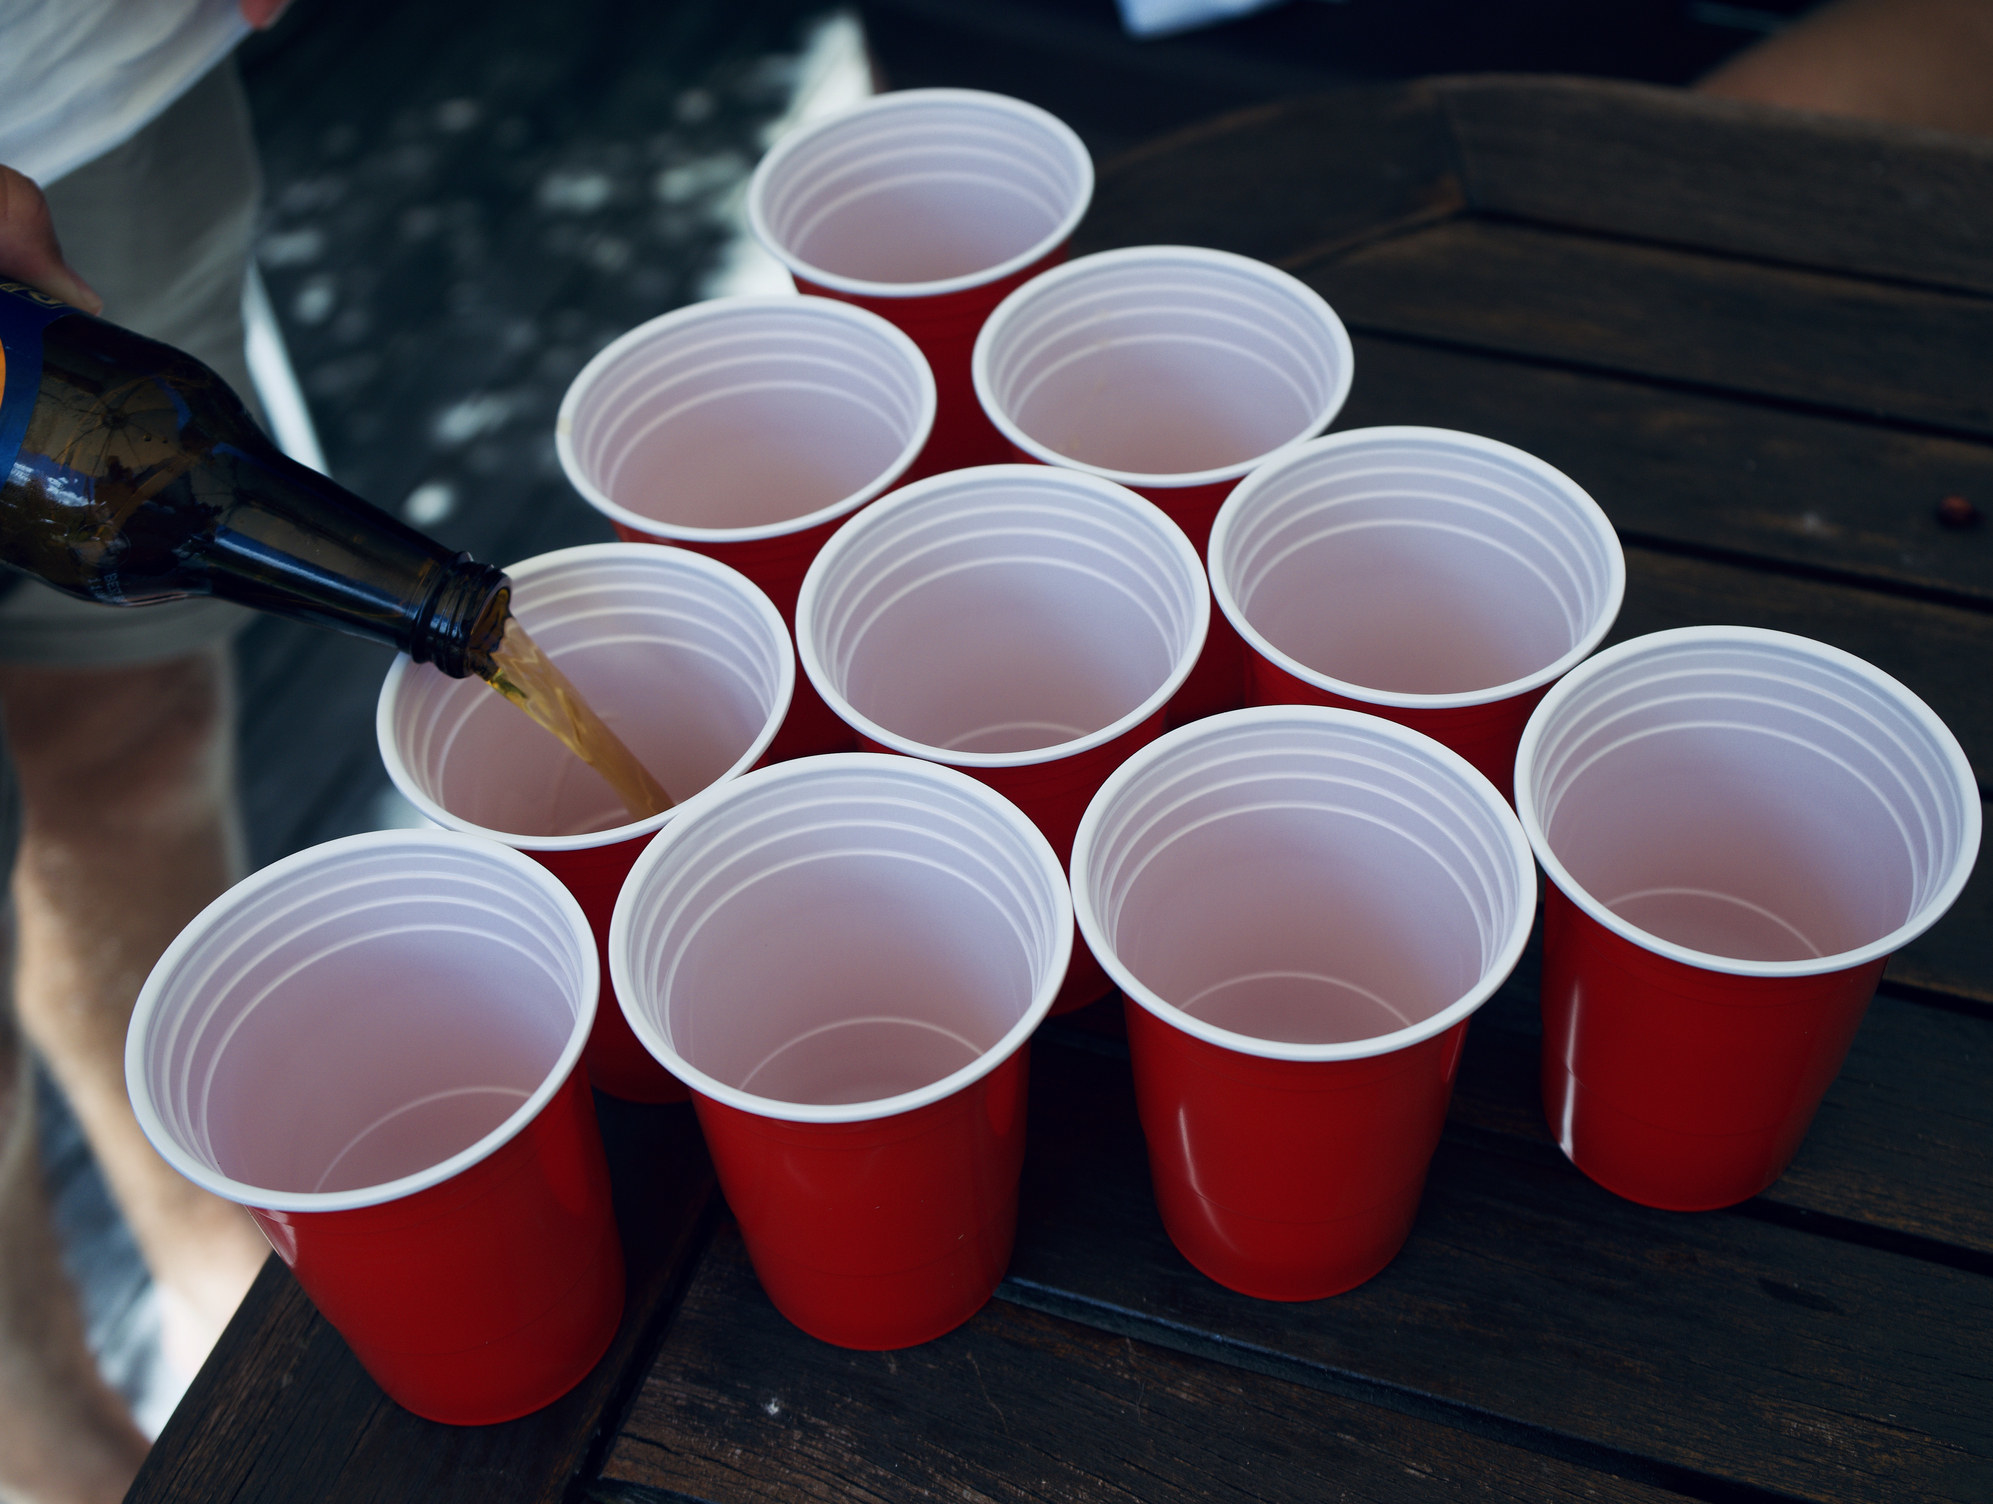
[[372, 1045], [1173, 370], [1302, 907], [844, 958], [1022, 624], [1739, 827], [928, 207], [683, 658], [1437, 579], [749, 429]]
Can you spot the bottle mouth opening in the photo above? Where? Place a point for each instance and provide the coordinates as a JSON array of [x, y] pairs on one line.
[[464, 619]]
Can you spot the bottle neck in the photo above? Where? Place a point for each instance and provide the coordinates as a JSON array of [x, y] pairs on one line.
[[292, 542], [140, 477], [465, 621]]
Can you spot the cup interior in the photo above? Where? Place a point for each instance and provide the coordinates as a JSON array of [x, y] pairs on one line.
[[362, 1013], [1004, 610], [1298, 878], [1162, 363], [1749, 796], [682, 658], [746, 413], [1418, 562], [838, 932], [921, 187]]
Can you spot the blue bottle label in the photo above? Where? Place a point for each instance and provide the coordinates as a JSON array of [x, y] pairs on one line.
[[24, 313]]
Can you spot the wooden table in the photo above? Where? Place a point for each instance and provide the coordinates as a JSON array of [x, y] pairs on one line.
[[1765, 344]]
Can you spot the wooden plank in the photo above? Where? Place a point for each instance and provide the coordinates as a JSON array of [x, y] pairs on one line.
[[282, 1412], [1721, 1344], [1822, 493], [1666, 165], [742, 1407], [1867, 348], [1902, 1144], [1905, 1137], [1940, 652], [1955, 957], [1078, 62], [1323, 173]]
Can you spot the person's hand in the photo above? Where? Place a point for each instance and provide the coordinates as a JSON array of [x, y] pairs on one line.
[[28, 249]]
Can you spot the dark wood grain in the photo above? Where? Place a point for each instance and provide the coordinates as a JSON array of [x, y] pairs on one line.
[[1719, 175], [1625, 160], [1328, 172], [1015, 1406], [1908, 354], [1721, 1344], [1955, 958], [1903, 1143], [282, 1412], [1846, 498], [1076, 59], [1905, 1136], [1939, 652]]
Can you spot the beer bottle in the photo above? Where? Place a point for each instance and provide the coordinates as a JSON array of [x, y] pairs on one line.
[[130, 474]]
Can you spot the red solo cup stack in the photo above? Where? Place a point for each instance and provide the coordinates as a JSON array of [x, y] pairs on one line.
[[748, 430], [1303, 907], [1437, 579], [844, 957], [1022, 624], [681, 657], [1739, 827], [373, 1046], [928, 207], [1174, 371]]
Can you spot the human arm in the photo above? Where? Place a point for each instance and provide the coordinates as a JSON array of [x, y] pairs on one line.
[[1914, 62]]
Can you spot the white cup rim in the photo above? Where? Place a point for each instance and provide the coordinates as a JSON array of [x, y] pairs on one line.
[[714, 310], [1492, 977], [703, 805], [912, 495], [904, 99], [1946, 745], [757, 600], [1009, 310], [1356, 438], [145, 1012]]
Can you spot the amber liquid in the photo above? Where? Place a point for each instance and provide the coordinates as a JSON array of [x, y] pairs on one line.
[[528, 678]]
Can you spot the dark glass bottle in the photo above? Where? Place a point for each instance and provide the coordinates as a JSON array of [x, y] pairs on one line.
[[140, 477]]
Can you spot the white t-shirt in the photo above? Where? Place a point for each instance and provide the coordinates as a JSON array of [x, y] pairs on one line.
[[79, 77]]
